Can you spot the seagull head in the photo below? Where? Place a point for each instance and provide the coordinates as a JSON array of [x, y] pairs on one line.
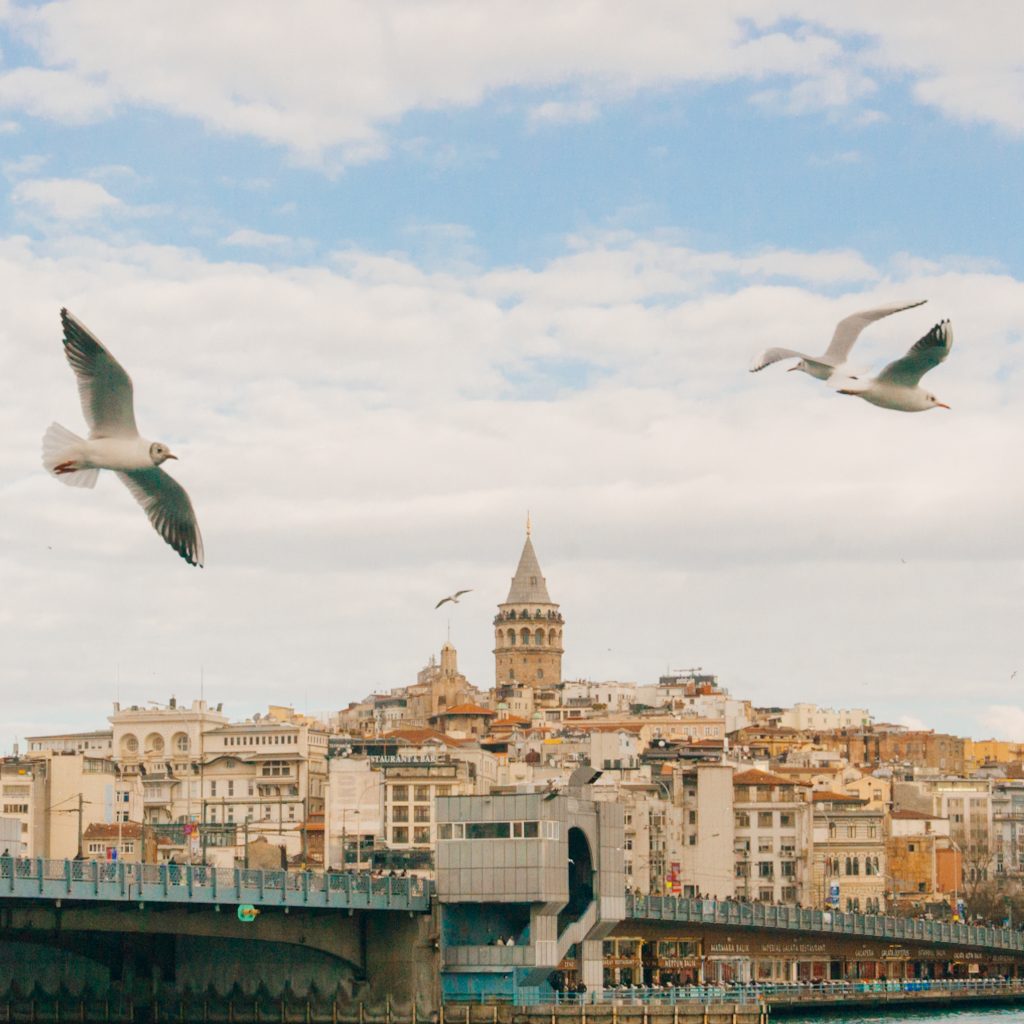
[[932, 400], [801, 365], [160, 453]]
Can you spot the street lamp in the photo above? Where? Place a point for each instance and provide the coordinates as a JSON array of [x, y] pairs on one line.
[[957, 877]]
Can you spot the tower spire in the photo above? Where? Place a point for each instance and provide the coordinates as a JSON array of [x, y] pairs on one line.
[[527, 522]]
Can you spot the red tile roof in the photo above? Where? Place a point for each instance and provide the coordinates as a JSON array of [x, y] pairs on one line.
[[756, 777], [466, 709]]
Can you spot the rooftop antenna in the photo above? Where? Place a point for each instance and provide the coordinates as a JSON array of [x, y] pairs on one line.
[[449, 629]]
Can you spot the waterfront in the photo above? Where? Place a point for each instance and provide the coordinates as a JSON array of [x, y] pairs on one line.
[[994, 1015]]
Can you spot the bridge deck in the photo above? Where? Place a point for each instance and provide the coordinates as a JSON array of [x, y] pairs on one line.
[[732, 913], [36, 879]]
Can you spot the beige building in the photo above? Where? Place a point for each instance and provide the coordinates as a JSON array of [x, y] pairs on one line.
[[849, 852], [708, 829], [163, 746], [912, 851], [96, 744], [58, 796], [527, 630], [269, 773], [772, 838]]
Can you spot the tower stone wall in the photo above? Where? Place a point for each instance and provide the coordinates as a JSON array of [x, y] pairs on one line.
[[528, 629]]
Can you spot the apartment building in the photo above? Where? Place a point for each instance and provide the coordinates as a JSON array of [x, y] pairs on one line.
[[269, 773], [849, 853], [912, 852], [772, 838]]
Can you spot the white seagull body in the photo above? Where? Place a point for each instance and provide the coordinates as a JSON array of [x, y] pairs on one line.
[[114, 443], [454, 598], [897, 387], [846, 333]]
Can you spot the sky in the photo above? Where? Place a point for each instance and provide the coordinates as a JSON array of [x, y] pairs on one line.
[[388, 275]]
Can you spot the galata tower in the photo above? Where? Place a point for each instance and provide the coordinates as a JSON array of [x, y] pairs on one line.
[[528, 628]]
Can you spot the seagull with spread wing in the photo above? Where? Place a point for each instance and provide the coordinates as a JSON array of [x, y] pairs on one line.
[[454, 598], [897, 386], [114, 443], [846, 333]]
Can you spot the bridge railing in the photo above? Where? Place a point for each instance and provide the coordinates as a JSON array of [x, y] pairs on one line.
[[806, 919], [24, 877], [779, 992]]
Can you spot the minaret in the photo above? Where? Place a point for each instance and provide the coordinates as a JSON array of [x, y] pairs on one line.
[[528, 628]]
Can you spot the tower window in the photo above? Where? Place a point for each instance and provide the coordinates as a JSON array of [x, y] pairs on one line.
[[533, 581]]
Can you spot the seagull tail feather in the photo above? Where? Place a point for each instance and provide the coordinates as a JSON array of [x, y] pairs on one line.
[[61, 445]]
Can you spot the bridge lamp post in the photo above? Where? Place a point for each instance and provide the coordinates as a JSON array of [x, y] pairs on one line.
[[957, 876]]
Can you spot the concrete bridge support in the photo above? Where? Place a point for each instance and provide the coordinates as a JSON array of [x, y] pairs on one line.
[[349, 966]]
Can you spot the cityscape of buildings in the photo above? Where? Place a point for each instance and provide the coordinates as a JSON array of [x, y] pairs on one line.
[[799, 804]]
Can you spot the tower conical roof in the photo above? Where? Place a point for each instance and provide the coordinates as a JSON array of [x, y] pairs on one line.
[[528, 585]]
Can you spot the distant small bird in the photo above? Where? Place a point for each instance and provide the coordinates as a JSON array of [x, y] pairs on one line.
[[896, 387], [846, 333], [1013, 675], [454, 598], [114, 443]]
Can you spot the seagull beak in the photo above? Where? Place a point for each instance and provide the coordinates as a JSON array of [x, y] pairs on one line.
[[792, 368], [170, 456], [942, 405]]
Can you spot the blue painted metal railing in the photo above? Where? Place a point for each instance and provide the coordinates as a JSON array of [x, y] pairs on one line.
[[772, 993], [34, 878], [834, 922]]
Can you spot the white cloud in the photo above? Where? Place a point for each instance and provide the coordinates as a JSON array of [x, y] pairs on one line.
[[59, 95], [364, 68], [250, 239], [556, 112], [64, 199], [1004, 721], [361, 436]]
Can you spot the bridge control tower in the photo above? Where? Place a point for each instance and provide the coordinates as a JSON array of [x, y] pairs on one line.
[[522, 877]]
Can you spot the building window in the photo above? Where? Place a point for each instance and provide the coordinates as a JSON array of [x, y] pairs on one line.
[[786, 819], [400, 794], [213, 788], [421, 836], [400, 813], [742, 819], [421, 813], [421, 794], [231, 787], [764, 819], [765, 869], [400, 835], [181, 743]]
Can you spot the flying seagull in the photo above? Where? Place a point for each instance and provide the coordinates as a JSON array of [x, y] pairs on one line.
[[454, 598], [846, 333], [114, 443], [896, 387]]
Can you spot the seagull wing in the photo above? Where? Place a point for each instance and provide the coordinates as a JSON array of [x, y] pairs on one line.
[[848, 330], [923, 356], [459, 593], [166, 504], [773, 355], [103, 386], [441, 602]]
